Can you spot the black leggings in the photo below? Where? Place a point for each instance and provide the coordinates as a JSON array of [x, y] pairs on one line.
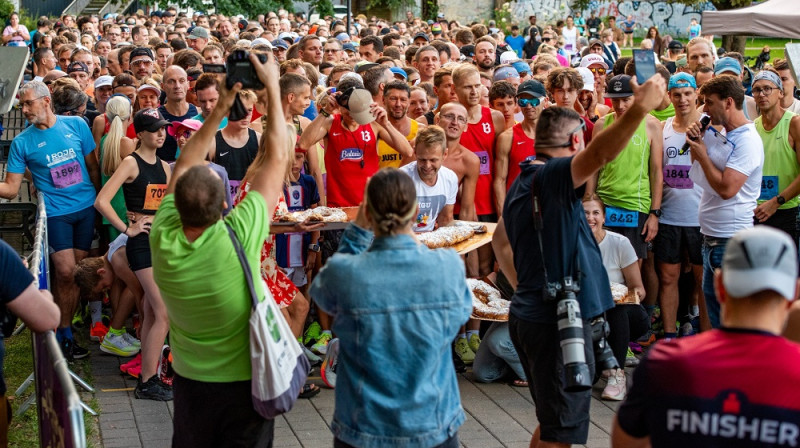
[[628, 323]]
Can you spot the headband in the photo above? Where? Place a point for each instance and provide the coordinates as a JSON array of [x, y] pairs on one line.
[[769, 76]]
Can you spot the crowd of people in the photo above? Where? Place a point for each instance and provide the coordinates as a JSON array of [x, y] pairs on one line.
[[144, 151]]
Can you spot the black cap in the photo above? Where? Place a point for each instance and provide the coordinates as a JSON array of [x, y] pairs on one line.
[[619, 87], [675, 44], [361, 68], [149, 120], [468, 50], [141, 51], [385, 31], [422, 35], [243, 24], [532, 87], [155, 14], [77, 66], [167, 14]]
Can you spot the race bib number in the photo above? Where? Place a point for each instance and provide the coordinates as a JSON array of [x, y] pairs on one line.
[[769, 187], [677, 176], [619, 217], [234, 186], [67, 175], [153, 196], [484, 158]]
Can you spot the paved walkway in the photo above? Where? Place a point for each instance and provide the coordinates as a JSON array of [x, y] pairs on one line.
[[498, 415]]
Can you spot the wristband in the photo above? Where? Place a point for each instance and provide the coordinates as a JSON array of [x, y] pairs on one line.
[[324, 113]]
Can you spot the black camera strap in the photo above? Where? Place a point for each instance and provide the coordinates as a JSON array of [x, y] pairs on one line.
[[538, 225]]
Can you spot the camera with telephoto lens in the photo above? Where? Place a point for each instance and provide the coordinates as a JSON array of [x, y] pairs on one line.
[[240, 69], [570, 334], [604, 358]]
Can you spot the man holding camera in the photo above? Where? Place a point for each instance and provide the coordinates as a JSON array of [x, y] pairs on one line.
[[547, 197]]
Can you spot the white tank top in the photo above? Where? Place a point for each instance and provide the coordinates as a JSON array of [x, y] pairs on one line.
[[681, 199]]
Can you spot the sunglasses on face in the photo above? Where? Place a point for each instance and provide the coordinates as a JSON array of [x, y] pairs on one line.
[[525, 102], [598, 70], [186, 134]]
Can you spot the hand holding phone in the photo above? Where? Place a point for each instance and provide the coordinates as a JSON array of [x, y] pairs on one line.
[[645, 62]]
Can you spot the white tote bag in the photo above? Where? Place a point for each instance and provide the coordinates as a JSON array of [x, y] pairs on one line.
[[280, 368]]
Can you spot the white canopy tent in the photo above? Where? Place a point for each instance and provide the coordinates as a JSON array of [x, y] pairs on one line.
[[772, 18]]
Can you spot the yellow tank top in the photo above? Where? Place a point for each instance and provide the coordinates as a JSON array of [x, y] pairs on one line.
[[388, 156]]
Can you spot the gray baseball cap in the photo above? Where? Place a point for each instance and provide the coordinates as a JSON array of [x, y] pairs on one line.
[[760, 259]]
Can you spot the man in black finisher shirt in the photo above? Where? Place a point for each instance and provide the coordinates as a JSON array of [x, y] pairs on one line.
[[559, 173]]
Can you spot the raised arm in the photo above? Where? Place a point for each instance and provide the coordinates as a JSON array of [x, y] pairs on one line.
[[269, 169], [607, 145], [195, 150]]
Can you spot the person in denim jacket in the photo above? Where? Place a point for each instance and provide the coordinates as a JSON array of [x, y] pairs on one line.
[[394, 292]]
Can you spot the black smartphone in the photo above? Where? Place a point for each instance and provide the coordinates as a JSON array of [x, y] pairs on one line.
[[645, 62]]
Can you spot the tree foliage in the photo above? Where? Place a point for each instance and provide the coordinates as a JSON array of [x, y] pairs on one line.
[[323, 7], [248, 8]]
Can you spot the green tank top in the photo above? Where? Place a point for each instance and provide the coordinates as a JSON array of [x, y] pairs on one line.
[[662, 115], [780, 161], [625, 182], [117, 202]]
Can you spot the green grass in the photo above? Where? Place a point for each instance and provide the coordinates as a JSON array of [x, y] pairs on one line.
[[752, 47], [18, 364]]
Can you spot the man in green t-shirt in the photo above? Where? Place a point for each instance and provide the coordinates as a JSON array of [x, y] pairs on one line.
[[202, 283]]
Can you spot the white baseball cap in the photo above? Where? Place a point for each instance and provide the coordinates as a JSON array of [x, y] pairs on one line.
[[588, 78], [593, 58], [508, 56], [760, 259]]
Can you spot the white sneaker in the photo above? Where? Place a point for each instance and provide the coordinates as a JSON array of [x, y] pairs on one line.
[[617, 386], [116, 344], [131, 339]]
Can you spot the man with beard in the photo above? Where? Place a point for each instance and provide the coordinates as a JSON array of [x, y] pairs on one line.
[[395, 101], [484, 57], [142, 63], [58, 152], [445, 93], [516, 145]]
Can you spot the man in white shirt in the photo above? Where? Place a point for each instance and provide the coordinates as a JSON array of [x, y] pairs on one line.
[[436, 185], [728, 168]]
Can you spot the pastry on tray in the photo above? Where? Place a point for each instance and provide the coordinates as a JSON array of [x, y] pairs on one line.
[[487, 303], [319, 214], [623, 295], [446, 236]]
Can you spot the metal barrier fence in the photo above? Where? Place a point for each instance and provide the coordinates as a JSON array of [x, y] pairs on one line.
[[59, 405]]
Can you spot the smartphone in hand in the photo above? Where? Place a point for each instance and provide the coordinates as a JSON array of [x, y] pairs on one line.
[[645, 62]]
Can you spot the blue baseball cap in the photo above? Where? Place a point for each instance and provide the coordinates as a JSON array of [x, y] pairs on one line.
[[727, 64], [349, 46], [505, 73], [521, 67], [399, 71], [280, 43], [682, 79]]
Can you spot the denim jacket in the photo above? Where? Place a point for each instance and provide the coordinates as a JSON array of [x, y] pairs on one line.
[[397, 306]]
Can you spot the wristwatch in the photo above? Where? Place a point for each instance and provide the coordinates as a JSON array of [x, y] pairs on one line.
[[781, 200], [656, 211], [314, 247]]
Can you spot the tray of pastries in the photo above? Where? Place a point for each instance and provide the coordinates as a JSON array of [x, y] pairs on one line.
[[463, 236], [334, 218], [624, 296]]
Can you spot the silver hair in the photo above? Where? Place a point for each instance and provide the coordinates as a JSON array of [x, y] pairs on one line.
[[38, 87]]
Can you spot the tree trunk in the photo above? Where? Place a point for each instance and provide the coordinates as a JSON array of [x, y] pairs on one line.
[[734, 43]]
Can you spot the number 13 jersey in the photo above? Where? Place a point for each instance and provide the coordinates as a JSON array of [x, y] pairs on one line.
[[681, 198], [351, 158]]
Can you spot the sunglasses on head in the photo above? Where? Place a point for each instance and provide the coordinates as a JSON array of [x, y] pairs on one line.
[[344, 98], [525, 102]]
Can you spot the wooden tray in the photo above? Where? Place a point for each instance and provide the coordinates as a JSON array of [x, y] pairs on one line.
[[477, 240]]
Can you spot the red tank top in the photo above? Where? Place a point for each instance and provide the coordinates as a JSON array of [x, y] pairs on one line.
[[479, 138], [521, 151], [351, 158]]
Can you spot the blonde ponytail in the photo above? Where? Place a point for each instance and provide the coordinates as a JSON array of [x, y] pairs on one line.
[[118, 110]]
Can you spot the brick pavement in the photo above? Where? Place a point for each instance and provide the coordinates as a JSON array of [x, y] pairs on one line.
[[498, 415]]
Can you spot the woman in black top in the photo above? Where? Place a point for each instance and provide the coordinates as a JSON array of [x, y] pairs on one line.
[[143, 177]]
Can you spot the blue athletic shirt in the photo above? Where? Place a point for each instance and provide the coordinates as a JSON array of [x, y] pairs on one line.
[[56, 159]]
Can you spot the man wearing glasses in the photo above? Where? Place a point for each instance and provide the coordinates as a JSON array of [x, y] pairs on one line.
[[516, 145], [780, 131], [58, 152], [557, 178], [142, 63], [332, 52], [114, 35]]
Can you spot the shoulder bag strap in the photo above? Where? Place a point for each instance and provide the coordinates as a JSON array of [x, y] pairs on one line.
[[248, 274]]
